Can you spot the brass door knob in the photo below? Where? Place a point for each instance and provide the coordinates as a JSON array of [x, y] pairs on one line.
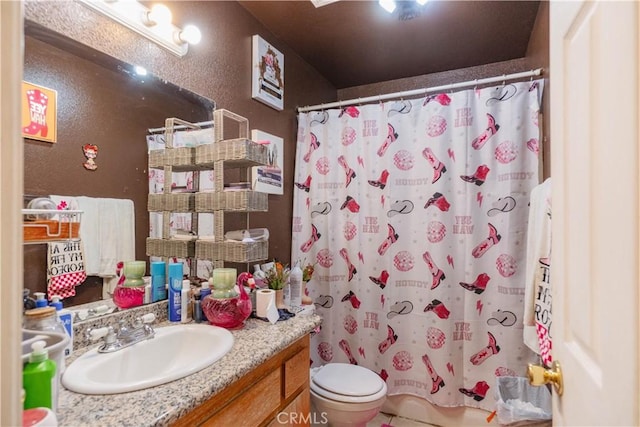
[[539, 375]]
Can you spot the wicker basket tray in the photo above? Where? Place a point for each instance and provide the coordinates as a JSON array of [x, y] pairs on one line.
[[238, 201], [232, 251], [49, 230], [170, 248], [176, 157], [239, 152], [175, 202]]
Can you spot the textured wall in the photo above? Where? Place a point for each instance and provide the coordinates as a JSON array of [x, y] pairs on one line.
[[538, 56], [218, 68]]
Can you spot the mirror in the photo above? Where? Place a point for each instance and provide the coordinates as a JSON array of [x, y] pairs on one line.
[[103, 102]]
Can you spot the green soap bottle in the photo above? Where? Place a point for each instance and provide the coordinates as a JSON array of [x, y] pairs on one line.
[[38, 378]]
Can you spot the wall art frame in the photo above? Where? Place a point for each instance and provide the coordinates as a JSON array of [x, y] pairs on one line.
[[267, 79], [269, 178], [39, 113]]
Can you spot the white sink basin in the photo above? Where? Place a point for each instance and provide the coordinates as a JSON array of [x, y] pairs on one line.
[[175, 352]]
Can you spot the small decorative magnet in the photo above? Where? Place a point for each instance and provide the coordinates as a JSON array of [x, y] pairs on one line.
[[90, 152]]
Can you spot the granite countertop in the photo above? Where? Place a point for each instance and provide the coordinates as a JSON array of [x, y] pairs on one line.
[[256, 342]]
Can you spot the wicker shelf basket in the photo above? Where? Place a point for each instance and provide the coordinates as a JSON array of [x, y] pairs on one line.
[[174, 202], [232, 201], [237, 153], [232, 251], [230, 149], [171, 248], [181, 159]]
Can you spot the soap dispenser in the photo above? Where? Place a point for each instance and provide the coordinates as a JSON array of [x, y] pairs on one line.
[[38, 379]]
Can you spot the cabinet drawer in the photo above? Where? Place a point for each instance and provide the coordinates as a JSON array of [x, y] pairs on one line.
[[296, 372], [296, 413], [252, 407]]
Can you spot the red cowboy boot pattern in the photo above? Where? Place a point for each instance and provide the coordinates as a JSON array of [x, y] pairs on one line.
[[436, 380]]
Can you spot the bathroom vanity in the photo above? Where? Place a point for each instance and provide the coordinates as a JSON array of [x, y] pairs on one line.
[[274, 393], [265, 373]]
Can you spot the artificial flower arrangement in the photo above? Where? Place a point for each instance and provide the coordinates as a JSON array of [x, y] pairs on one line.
[[277, 276]]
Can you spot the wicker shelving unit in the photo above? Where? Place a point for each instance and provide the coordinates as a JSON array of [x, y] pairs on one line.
[[218, 156]]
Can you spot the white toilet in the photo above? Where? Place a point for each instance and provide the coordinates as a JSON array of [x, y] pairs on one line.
[[346, 395]]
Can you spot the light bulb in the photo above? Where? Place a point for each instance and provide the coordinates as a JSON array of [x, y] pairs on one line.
[[388, 5], [141, 71], [159, 14], [190, 34], [421, 2]]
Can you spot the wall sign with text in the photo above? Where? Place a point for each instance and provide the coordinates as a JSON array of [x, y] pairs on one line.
[[39, 113]]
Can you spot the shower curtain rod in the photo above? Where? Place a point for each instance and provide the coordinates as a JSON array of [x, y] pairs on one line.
[[179, 127], [424, 91]]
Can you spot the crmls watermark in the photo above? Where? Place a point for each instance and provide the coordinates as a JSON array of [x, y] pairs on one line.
[[298, 418]]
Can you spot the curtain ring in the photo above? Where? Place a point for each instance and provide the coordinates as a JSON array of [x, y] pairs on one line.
[[504, 80], [532, 74], [475, 87]]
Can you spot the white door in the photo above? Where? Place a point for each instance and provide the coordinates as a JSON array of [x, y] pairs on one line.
[[594, 167]]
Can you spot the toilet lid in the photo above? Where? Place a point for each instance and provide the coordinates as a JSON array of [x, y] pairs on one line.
[[348, 380]]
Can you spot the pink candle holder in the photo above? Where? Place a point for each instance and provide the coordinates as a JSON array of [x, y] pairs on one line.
[[127, 297]]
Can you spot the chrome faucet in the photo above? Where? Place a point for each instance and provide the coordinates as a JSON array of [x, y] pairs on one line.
[[123, 335]]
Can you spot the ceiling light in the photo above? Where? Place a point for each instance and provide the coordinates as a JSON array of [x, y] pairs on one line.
[[191, 34], [421, 2], [388, 5], [158, 15], [154, 24]]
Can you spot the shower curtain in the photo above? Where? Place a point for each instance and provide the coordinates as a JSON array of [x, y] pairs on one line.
[[415, 214]]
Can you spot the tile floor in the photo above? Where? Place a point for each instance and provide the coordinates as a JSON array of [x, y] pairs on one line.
[[394, 421]]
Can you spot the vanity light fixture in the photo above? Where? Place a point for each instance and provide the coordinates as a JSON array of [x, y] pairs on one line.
[[154, 23], [191, 35], [158, 15]]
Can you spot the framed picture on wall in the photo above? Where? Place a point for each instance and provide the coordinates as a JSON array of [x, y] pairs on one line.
[[269, 178], [39, 112], [267, 80]]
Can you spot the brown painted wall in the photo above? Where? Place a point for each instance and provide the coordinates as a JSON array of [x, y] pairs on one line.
[[538, 56], [218, 68]]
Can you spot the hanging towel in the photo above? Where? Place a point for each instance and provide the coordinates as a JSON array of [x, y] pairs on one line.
[[65, 268], [537, 301], [108, 233]]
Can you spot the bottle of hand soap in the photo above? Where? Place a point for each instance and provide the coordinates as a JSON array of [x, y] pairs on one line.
[[38, 379]]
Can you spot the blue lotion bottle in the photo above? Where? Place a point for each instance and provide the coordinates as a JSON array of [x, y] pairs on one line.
[[175, 290], [158, 289]]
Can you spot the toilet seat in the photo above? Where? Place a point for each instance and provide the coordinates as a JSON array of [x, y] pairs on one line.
[[344, 382]]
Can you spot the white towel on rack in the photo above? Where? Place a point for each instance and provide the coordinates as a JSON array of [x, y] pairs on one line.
[[108, 233]]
